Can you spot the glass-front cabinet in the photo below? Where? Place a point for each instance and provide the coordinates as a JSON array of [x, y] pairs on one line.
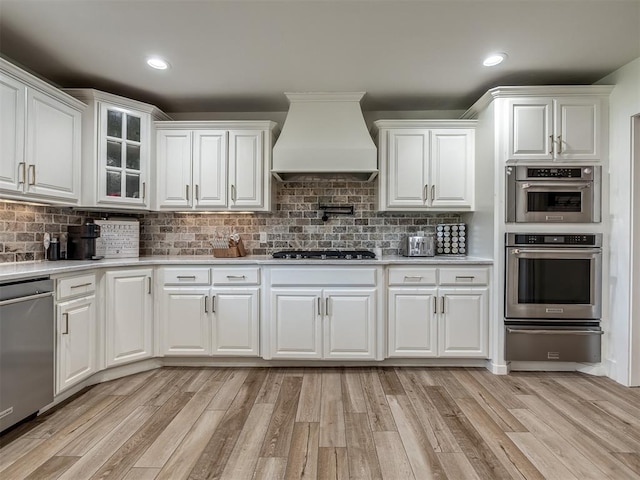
[[124, 155], [117, 148]]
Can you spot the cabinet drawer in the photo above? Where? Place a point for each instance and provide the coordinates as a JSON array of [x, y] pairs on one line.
[[236, 276], [76, 286], [412, 276], [187, 276], [464, 276], [334, 277]]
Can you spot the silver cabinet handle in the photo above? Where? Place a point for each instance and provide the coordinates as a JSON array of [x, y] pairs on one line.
[[180, 277], [213, 304], [233, 192], [424, 192], [463, 277], [66, 324], [555, 332], [22, 173], [326, 306], [144, 190], [559, 144], [551, 143], [187, 194], [442, 305], [197, 192], [433, 192], [81, 285], [412, 277], [435, 305], [319, 306], [32, 174], [206, 299], [149, 280], [236, 277]]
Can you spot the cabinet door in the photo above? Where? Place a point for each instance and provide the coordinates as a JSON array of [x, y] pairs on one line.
[[210, 168], [174, 168], [349, 323], [452, 168], [52, 148], [235, 321], [530, 129], [412, 322], [12, 118], [76, 342], [123, 156], [464, 322], [577, 128], [185, 320], [246, 169], [129, 316], [296, 323], [407, 181]]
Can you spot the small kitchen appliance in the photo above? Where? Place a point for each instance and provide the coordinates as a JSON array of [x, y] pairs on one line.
[[539, 194], [420, 245], [81, 243]]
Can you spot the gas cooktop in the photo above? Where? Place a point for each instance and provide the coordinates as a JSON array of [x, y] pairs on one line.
[[326, 254]]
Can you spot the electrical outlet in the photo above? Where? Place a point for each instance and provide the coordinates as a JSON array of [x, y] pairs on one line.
[[263, 237]]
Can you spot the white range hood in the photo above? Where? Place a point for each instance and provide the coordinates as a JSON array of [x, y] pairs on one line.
[[324, 134]]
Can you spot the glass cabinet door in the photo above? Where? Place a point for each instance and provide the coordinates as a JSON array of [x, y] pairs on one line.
[[124, 176]]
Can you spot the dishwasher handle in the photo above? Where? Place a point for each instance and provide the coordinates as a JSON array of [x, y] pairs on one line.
[[25, 299]]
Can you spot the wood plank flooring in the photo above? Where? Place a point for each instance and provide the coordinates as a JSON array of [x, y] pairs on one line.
[[334, 423]]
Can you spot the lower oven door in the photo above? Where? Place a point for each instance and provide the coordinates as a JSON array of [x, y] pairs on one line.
[[553, 283], [553, 202], [552, 343]]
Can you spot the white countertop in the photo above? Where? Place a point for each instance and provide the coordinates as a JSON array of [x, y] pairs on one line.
[[21, 270]]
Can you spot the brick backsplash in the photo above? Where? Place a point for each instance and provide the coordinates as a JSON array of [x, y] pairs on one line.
[[295, 218]]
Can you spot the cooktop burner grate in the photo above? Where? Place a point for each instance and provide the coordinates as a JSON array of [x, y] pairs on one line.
[[325, 254]]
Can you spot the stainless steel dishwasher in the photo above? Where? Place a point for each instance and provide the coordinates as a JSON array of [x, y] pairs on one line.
[[26, 349]]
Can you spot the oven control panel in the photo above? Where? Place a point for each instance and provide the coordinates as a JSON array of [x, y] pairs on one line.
[[554, 172], [572, 239]]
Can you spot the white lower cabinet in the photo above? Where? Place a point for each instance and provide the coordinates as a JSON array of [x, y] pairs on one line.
[[76, 332], [128, 316], [76, 339], [413, 328], [198, 319], [312, 322], [235, 321], [464, 322], [185, 321], [429, 318]]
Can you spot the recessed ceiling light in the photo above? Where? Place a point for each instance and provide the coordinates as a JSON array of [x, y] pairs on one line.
[[157, 63], [494, 59]]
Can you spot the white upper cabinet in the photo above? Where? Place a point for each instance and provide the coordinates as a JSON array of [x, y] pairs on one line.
[[118, 145], [555, 129], [214, 165], [426, 165], [40, 139]]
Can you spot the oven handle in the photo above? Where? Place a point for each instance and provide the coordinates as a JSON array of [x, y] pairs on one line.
[[554, 332], [572, 185], [590, 251], [25, 299]]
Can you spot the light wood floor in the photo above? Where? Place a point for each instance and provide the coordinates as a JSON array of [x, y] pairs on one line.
[[330, 423]]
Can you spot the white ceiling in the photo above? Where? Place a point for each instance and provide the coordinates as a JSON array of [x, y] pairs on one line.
[[242, 55]]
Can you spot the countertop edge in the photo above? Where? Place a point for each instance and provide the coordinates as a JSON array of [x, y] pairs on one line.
[[25, 270]]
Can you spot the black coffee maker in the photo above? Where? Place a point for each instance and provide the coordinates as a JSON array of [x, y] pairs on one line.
[[81, 244]]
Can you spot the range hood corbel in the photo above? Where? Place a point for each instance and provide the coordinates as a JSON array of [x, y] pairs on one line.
[[324, 135]]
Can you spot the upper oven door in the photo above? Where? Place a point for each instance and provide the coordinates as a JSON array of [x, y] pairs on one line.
[[555, 201], [553, 283]]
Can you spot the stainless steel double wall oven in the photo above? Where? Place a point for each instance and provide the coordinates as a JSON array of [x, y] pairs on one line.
[[553, 281]]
